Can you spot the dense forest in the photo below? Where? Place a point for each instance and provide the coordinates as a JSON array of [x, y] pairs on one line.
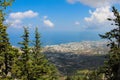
[[29, 63]]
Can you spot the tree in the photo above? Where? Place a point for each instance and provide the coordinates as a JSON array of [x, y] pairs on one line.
[[43, 69], [94, 75], [37, 46], [19, 63], [25, 61], [5, 46], [111, 69]]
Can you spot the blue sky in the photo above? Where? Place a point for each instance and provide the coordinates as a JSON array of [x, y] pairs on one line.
[[61, 16], [59, 12]]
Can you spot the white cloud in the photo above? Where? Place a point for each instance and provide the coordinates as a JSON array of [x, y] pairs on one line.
[[77, 23], [15, 19], [95, 3], [100, 15], [22, 15], [98, 18], [48, 22]]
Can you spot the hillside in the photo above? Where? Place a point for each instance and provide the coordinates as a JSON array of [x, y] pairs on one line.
[[77, 55]]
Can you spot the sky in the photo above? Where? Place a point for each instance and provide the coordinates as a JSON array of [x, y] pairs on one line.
[[58, 15], [61, 15]]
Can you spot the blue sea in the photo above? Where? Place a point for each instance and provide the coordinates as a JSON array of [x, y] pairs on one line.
[[54, 38]]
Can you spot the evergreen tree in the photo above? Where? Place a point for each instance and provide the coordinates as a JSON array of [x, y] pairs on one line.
[[94, 75], [16, 72], [43, 69], [22, 64], [111, 69], [5, 54], [37, 46], [25, 57]]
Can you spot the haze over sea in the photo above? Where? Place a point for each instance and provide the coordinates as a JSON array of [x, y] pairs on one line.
[[54, 38]]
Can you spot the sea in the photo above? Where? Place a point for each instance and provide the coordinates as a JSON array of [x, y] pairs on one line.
[[56, 38]]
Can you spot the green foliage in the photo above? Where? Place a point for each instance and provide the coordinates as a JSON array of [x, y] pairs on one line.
[[79, 75], [25, 62], [75, 77], [94, 75], [3, 5], [43, 69], [111, 68], [6, 50], [30, 63], [16, 65]]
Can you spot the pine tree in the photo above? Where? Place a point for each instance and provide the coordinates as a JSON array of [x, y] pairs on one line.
[[43, 69], [112, 65], [16, 72], [25, 57], [5, 46], [37, 46]]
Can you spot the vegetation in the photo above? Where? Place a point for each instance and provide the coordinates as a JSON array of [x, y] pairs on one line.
[[6, 50], [42, 69], [111, 69], [25, 63], [29, 63], [79, 75]]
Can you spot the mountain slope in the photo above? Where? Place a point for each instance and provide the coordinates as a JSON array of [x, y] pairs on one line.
[[77, 55]]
